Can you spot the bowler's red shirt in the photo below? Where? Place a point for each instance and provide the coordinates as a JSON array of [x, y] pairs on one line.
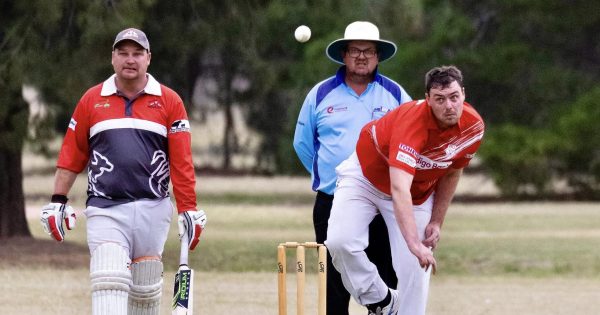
[[409, 138]]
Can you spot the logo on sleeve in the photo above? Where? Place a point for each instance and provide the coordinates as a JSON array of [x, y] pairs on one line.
[[72, 124], [407, 149], [406, 154], [406, 159], [180, 126]]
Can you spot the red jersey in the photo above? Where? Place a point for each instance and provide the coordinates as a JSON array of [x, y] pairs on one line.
[[132, 148], [408, 138]]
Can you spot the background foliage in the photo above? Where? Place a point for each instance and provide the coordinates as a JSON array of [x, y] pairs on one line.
[[532, 69]]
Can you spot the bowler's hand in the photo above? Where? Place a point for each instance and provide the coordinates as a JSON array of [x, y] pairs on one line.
[[52, 216], [432, 235], [425, 256], [191, 224]]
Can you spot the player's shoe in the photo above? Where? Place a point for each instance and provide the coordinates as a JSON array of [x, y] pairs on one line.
[[390, 309]]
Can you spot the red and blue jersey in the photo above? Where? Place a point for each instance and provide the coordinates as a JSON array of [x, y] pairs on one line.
[[132, 148]]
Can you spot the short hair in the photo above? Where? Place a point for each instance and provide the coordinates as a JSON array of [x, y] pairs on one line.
[[442, 77]]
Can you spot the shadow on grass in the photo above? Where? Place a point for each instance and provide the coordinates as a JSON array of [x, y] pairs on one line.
[[36, 253]]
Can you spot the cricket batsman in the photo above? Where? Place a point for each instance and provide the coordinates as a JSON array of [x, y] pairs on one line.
[[133, 136]]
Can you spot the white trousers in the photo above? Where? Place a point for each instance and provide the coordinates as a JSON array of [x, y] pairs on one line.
[[355, 204], [140, 226]]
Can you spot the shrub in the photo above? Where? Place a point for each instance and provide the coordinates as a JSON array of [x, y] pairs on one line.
[[519, 159], [579, 132]]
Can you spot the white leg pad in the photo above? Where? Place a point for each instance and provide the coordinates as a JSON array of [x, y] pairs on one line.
[[111, 278], [145, 294]]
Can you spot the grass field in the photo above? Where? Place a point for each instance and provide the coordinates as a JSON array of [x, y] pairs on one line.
[[501, 258]]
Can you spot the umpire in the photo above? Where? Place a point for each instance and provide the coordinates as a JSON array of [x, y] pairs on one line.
[[329, 123]]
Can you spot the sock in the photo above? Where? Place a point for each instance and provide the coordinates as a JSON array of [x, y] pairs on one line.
[[381, 304]]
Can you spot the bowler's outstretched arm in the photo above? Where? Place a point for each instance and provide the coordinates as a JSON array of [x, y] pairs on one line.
[[403, 209], [444, 192]]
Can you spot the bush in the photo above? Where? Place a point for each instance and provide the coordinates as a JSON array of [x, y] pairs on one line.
[[519, 159], [523, 160], [580, 158]]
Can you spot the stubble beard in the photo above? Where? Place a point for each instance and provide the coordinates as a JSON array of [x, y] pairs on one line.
[[362, 75]]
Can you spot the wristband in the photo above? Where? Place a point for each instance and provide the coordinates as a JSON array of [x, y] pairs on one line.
[[59, 199]]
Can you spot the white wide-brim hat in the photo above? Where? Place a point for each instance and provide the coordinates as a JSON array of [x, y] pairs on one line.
[[360, 31]]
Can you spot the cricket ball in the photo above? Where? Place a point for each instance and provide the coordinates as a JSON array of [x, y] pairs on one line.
[[302, 33]]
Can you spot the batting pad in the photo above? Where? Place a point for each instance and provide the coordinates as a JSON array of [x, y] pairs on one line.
[[111, 278], [144, 297]]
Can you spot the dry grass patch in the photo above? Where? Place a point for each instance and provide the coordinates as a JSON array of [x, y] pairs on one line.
[[67, 292]]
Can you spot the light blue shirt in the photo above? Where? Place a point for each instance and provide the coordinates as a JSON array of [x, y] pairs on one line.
[[330, 121]]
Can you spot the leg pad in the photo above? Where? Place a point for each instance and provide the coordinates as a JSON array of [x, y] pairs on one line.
[[111, 278], [146, 290]]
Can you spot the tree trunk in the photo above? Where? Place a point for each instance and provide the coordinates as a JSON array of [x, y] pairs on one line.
[[13, 130], [228, 135], [12, 200]]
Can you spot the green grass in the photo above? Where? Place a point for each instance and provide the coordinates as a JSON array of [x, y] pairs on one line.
[[495, 259], [260, 199], [519, 257], [509, 239], [244, 238], [525, 239], [519, 239]]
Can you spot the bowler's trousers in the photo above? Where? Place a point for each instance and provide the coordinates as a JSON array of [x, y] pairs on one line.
[[378, 251]]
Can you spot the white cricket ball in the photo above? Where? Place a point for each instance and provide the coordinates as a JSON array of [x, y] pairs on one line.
[[302, 33]]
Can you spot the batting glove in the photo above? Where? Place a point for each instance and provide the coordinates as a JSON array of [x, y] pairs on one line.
[[52, 217], [191, 224]]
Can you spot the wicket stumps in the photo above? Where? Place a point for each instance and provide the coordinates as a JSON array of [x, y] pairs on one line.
[[300, 275]]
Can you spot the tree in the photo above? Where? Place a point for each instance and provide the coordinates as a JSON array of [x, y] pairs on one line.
[[525, 64], [13, 128], [60, 48], [13, 116], [534, 65], [209, 42], [285, 69]]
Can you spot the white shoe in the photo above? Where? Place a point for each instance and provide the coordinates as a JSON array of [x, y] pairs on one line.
[[390, 309]]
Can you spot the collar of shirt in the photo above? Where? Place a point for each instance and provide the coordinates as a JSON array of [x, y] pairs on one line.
[[152, 86], [340, 77]]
